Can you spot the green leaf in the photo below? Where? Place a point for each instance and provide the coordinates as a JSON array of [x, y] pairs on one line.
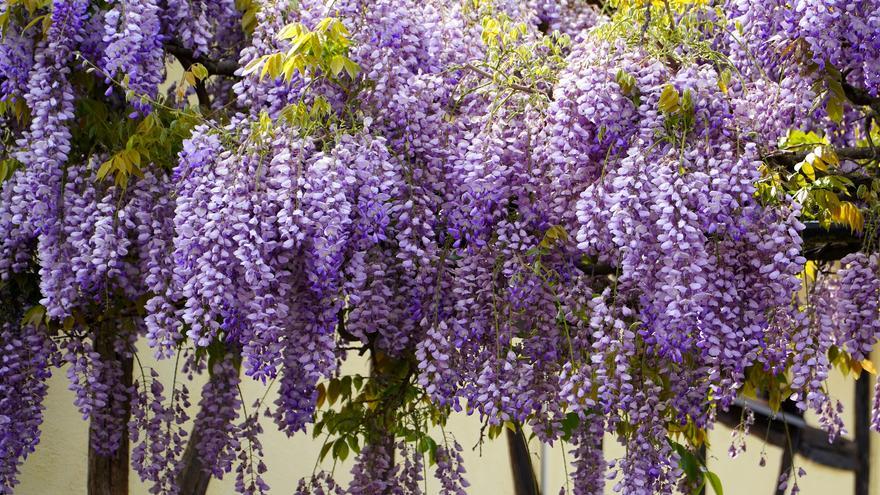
[[715, 482], [688, 462], [426, 444], [326, 448], [432, 451], [333, 391], [345, 383], [34, 22], [570, 422], [34, 316], [354, 444], [340, 449]]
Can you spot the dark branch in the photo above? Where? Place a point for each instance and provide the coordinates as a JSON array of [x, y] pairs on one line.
[[225, 67], [204, 97], [791, 158], [859, 96], [788, 159], [488, 75]]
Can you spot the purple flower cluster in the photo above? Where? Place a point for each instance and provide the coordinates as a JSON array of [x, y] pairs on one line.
[[566, 16], [16, 59], [845, 35], [450, 470], [589, 461], [207, 27], [375, 470], [133, 37], [97, 378], [34, 196], [157, 433], [859, 304], [250, 466], [25, 366], [319, 484], [215, 423]]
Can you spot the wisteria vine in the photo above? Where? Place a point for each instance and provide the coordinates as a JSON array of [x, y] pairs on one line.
[[575, 217]]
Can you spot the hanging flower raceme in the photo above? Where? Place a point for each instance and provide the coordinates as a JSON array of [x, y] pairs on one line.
[[133, 34], [26, 365]]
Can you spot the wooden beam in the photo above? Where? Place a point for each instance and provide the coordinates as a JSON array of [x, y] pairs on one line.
[[778, 427], [820, 244]]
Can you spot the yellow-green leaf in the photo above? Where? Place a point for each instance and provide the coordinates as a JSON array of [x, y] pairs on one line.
[[254, 66], [352, 68], [105, 168], [337, 64], [199, 71], [272, 66], [669, 99], [324, 25], [807, 169], [848, 214], [34, 316], [290, 31], [554, 234], [834, 108]]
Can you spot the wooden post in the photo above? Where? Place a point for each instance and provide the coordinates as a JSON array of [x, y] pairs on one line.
[[792, 447], [863, 434]]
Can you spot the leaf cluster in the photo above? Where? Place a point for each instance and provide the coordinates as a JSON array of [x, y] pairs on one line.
[[356, 410], [322, 52]]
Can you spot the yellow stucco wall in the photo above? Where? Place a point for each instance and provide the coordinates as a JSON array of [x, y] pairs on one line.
[[59, 465]]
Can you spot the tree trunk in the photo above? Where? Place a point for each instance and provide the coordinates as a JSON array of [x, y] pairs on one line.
[[108, 475], [193, 478], [524, 480]]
